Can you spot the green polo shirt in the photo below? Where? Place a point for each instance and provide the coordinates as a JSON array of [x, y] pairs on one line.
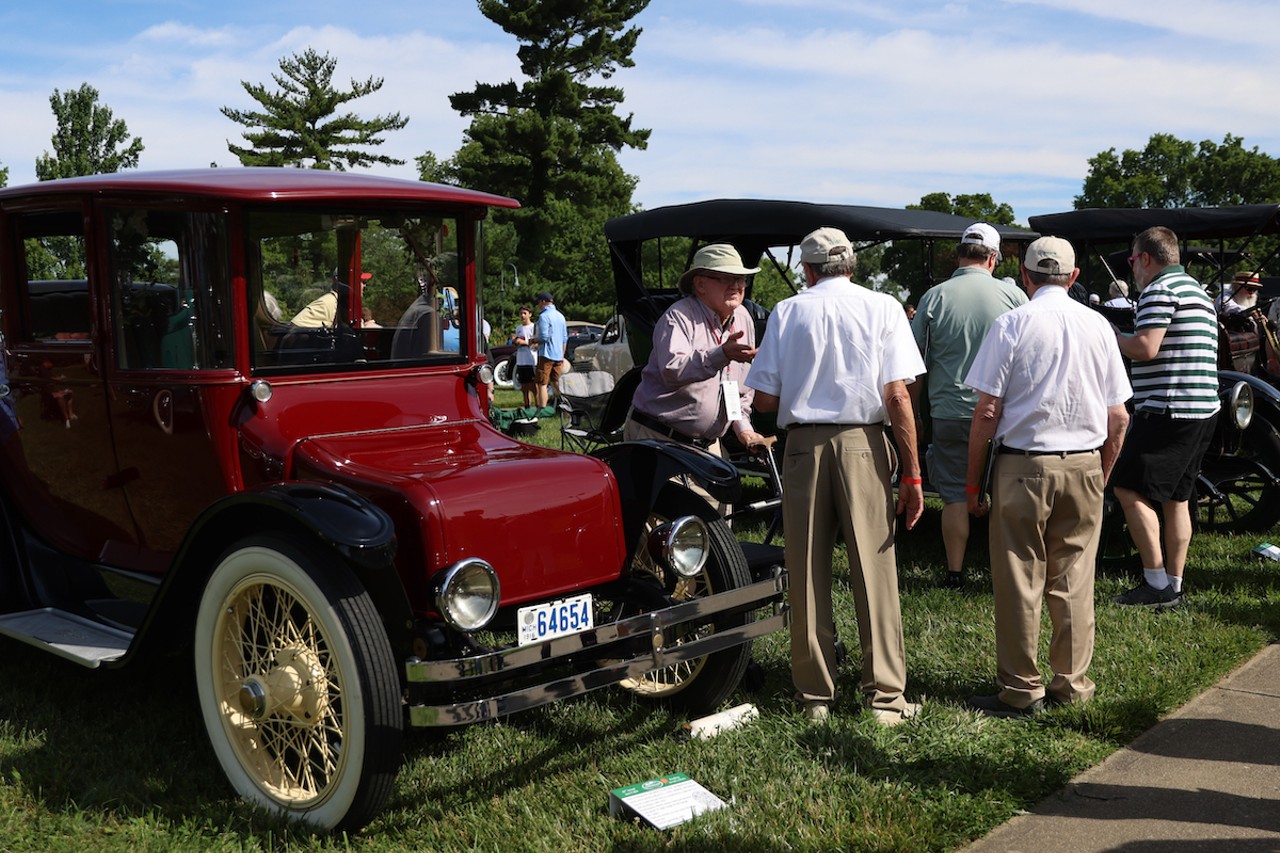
[[951, 320]]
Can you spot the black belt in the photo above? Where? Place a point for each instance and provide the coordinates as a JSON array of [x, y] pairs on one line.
[[1013, 451], [661, 428]]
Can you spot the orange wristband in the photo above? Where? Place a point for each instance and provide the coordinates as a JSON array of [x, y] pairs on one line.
[[913, 481]]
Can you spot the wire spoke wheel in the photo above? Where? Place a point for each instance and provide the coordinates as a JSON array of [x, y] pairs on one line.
[[1237, 495], [281, 691], [668, 680], [701, 684], [297, 684]]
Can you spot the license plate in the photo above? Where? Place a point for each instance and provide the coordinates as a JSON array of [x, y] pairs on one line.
[[554, 619]]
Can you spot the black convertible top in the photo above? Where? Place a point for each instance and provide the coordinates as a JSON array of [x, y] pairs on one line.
[[769, 222], [755, 225], [1100, 225], [1241, 224]]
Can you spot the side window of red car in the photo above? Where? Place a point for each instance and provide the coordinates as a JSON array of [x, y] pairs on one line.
[[57, 291], [169, 290]]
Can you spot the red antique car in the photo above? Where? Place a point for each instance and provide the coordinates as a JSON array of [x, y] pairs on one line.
[[243, 419]]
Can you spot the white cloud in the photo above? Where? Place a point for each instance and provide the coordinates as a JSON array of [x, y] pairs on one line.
[[838, 111], [169, 82]]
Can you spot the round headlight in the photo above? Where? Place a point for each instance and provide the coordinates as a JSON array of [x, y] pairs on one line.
[[1240, 405], [681, 545], [484, 373], [467, 595]]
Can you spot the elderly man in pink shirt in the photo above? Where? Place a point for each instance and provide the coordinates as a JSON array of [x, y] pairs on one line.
[[693, 389]]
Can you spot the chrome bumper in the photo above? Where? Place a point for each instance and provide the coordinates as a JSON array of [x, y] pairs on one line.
[[614, 652]]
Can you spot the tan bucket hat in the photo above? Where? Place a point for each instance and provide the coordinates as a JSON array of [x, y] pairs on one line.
[[714, 257]]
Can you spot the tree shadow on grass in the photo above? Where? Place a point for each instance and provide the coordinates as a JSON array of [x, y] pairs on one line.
[[126, 744]]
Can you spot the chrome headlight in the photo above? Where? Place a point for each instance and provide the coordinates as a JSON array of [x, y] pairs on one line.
[[484, 374], [467, 594], [681, 545], [1240, 405]]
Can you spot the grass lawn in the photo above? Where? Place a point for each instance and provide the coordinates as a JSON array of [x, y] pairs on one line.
[[120, 762]]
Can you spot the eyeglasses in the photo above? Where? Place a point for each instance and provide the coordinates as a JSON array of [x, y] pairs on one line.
[[1134, 257], [726, 280]]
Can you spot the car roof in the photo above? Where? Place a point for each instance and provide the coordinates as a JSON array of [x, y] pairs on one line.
[[260, 184], [754, 225], [1096, 224], [771, 222]]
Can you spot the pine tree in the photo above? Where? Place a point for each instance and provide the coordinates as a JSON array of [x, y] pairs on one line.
[[552, 141], [299, 126]]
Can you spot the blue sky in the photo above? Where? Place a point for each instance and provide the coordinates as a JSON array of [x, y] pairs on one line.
[[820, 100]]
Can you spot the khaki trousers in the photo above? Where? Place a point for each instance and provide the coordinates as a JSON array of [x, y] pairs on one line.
[[1046, 515], [836, 479]]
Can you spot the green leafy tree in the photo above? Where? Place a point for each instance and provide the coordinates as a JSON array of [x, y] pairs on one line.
[[88, 140], [299, 124], [4, 176], [1172, 172], [552, 142], [912, 266]]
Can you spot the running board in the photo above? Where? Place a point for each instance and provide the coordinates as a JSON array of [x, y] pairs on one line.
[[67, 635]]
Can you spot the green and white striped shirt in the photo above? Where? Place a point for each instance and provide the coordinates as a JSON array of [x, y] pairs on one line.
[[1182, 380]]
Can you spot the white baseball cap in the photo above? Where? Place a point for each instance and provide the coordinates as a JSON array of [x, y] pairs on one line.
[[982, 234]]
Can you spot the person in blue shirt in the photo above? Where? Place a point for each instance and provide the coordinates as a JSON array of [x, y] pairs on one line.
[[551, 335]]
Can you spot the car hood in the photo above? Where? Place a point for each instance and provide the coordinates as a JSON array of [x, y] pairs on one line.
[[547, 521]]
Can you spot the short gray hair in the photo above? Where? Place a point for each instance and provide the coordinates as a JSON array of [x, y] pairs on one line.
[[840, 266], [1039, 279]]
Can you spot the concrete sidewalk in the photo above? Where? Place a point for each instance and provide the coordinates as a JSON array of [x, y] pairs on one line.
[[1205, 778]]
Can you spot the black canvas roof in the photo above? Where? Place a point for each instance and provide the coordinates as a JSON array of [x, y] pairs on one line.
[[768, 222], [1122, 223], [755, 225]]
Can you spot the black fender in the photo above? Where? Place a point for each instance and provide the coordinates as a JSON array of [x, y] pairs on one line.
[[643, 467], [338, 520], [1266, 397]]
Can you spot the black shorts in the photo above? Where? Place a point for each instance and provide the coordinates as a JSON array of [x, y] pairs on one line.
[[524, 374], [1161, 456]]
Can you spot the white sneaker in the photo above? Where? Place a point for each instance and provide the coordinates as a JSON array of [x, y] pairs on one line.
[[889, 717]]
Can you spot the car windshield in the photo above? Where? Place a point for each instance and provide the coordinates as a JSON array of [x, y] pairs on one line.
[[339, 289]]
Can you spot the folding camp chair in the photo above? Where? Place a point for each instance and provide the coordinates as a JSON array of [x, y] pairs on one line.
[[583, 397], [593, 408]]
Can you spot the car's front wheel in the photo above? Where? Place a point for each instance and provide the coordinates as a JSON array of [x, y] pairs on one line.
[[1238, 492], [702, 684], [297, 684]]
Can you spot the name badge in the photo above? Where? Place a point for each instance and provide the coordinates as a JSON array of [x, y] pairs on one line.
[[732, 402]]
